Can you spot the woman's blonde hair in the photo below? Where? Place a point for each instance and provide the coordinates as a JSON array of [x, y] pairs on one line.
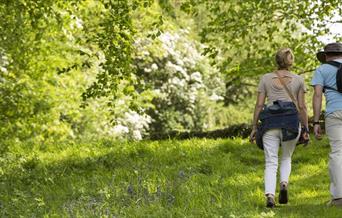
[[284, 58]]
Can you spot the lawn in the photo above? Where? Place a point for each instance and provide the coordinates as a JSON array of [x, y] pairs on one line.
[[191, 178]]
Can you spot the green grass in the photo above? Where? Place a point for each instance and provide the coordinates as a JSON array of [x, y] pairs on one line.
[[193, 178]]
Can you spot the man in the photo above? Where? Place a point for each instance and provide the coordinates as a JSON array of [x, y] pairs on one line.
[[324, 81]]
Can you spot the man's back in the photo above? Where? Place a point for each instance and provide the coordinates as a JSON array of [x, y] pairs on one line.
[[325, 75]]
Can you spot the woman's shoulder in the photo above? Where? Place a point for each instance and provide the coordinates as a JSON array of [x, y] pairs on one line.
[[268, 75], [298, 77], [299, 80]]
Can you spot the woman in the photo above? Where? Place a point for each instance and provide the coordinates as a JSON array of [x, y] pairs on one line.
[[272, 86]]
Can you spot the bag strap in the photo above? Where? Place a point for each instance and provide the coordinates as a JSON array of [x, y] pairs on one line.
[[294, 100], [338, 65], [334, 63]]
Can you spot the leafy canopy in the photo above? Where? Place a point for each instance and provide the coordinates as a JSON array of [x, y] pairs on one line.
[[243, 36]]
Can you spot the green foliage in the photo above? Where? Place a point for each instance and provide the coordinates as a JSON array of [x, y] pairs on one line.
[[114, 37], [56, 56], [25, 79], [243, 36], [50, 52], [199, 178]]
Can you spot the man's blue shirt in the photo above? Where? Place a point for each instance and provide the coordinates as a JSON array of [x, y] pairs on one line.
[[325, 75]]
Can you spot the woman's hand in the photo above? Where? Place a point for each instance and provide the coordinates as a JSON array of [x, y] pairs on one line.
[[252, 135], [306, 137], [318, 132], [259, 105]]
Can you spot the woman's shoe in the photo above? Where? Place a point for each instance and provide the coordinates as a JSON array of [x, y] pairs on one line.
[[270, 202], [283, 195]]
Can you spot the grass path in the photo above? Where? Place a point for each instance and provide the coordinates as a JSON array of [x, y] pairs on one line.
[[193, 178]]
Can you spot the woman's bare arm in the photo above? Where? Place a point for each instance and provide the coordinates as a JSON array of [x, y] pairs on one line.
[[303, 114], [258, 107]]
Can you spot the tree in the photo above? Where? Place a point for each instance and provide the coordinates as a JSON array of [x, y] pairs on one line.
[[40, 40], [242, 36]]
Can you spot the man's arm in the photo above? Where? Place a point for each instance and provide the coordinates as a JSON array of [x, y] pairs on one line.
[[317, 102], [317, 106]]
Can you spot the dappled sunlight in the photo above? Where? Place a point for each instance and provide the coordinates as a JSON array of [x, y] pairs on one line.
[[244, 179], [304, 171], [309, 195]]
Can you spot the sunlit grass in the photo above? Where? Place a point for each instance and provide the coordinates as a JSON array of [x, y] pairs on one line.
[[191, 178]]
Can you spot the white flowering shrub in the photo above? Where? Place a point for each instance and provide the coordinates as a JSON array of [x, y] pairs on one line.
[[181, 78], [131, 126], [176, 86]]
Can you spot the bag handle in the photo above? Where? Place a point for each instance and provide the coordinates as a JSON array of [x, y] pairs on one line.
[[294, 100]]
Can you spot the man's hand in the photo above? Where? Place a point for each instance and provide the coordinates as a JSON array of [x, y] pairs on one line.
[[318, 132]]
